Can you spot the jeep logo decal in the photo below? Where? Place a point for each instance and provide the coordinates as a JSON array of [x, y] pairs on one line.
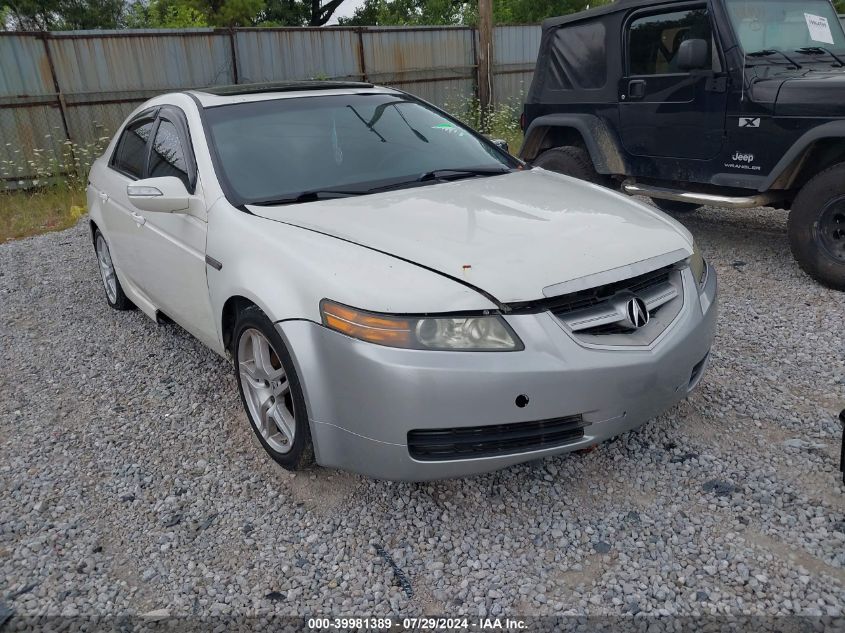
[[743, 158]]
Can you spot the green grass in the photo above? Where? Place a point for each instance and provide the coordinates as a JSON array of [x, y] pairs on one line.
[[25, 213]]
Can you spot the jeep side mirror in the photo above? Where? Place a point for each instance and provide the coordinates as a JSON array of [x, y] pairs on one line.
[[694, 55], [501, 144], [166, 194]]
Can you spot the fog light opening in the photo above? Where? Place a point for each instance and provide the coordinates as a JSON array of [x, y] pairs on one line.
[[522, 401]]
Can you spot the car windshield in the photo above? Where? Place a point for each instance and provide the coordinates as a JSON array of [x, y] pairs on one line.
[[786, 26], [291, 150]]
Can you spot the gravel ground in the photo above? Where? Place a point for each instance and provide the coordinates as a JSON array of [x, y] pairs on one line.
[[130, 480]]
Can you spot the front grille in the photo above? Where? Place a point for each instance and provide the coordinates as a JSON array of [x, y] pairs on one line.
[[494, 440], [596, 296]]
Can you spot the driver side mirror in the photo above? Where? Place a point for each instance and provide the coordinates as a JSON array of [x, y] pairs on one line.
[[502, 144], [166, 194], [694, 55]]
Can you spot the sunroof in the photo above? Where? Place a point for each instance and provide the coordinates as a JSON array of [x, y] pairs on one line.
[[286, 86]]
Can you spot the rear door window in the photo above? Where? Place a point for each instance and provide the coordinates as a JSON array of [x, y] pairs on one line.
[[130, 157]]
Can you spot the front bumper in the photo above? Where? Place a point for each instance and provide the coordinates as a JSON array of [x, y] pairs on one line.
[[363, 399]]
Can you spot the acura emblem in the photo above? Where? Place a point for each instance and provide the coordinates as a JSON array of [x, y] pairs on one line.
[[637, 313]]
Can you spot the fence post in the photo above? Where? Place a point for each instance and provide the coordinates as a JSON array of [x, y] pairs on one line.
[[362, 58], [234, 49], [485, 55], [60, 98]]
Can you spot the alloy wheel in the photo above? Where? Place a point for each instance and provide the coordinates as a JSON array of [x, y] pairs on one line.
[[266, 390], [106, 268]]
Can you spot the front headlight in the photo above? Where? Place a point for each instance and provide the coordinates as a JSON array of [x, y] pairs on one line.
[[485, 333], [698, 266]]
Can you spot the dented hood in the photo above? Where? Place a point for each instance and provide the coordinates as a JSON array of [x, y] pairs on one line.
[[511, 236]]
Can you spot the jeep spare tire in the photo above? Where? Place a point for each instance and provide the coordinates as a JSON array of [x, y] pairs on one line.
[[817, 227], [571, 161]]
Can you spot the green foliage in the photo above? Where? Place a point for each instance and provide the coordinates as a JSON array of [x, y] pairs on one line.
[[408, 12], [413, 12], [164, 14], [840, 6], [497, 122], [62, 15], [52, 15]]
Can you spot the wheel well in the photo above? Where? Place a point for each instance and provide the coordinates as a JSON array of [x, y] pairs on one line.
[[231, 309], [550, 137], [819, 156], [93, 226]]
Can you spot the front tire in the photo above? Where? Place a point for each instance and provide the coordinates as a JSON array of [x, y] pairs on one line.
[[817, 227], [675, 206], [571, 161], [270, 391]]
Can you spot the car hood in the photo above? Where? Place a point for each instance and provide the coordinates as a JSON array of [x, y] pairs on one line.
[[511, 236], [812, 93], [820, 94]]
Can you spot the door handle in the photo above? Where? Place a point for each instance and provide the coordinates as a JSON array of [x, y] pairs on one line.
[[636, 89], [104, 197], [140, 220]]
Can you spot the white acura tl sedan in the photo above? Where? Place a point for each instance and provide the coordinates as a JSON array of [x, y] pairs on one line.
[[399, 296]]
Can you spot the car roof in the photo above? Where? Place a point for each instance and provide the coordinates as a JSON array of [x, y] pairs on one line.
[[619, 5], [244, 93]]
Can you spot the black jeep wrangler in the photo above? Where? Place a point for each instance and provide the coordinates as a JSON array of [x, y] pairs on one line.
[[730, 103]]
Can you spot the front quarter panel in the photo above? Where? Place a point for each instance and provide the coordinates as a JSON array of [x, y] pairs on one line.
[[287, 270]]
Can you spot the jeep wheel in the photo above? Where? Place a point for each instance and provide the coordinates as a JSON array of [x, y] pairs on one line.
[[674, 206], [571, 161], [817, 227]]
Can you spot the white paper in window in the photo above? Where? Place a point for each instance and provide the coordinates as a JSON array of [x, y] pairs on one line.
[[819, 28]]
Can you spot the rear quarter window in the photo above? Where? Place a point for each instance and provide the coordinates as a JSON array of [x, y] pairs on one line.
[[579, 57], [131, 153]]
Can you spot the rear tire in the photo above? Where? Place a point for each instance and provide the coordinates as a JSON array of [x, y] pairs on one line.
[[571, 161], [817, 228], [111, 284], [270, 391], [674, 206]]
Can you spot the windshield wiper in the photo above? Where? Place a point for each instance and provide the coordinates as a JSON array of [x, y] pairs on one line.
[[441, 175], [820, 50], [308, 196], [766, 52], [458, 174]]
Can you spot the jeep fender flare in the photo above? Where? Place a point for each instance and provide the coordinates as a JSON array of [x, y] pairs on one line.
[[789, 166], [600, 141]]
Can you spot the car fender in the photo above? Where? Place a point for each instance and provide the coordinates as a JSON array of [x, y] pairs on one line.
[[790, 164], [601, 142], [287, 270]]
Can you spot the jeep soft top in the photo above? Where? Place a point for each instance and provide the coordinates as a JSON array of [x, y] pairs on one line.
[[735, 103]]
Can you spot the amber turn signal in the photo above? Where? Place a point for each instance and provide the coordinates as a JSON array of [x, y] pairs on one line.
[[373, 328]]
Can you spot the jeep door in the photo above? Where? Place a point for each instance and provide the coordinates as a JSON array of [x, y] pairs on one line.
[[665, 109]]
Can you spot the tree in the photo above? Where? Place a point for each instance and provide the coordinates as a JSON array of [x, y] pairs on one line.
[[408, 12], [52, 15], [404, 12], [61, 15], [840, 6]]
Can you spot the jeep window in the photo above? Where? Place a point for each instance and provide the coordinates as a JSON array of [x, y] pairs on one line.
[[654, 40], [785, 25], [271, 150], [578, 58]]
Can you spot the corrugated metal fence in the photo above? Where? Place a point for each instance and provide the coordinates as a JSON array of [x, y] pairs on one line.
[[79, 86]]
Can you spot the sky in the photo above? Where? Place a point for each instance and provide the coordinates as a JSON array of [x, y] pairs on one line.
[[346, 10]]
